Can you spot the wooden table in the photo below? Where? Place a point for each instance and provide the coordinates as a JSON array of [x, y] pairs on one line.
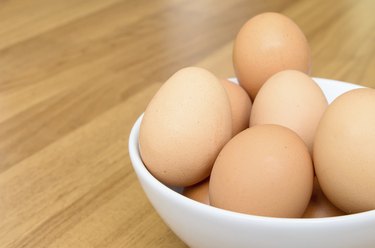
[[74, 76]]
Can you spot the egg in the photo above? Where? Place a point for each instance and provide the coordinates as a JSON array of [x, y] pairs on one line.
[[292, 99], [240, 106], [319, 206], [264, 170], [184, 127], [344, 151], [198, 192], [266, 44]]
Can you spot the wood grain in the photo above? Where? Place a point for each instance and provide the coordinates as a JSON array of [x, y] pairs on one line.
[[74, 76]]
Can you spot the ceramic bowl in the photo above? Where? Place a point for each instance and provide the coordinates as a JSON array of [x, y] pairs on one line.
[[201, 226]]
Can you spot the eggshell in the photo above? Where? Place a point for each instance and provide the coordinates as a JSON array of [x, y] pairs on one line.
[[264, 170], [240, 106], [344, 151], [292, 99], [266, 44], [185, 126], [198, 192], [319, 206]]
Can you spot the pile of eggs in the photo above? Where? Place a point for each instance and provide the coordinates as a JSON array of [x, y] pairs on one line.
[[270, 146]]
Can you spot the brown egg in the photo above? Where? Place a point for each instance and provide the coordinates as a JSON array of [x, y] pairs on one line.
[[240, 106], [184, 127], [266, 44], [264, 170], [319, 206], [344, 151], [198, 192], [292, 99]]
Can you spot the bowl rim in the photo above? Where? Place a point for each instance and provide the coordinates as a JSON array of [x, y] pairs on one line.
[[142, 171]]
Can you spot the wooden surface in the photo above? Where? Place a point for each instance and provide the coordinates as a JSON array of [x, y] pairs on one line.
[[74, 76]]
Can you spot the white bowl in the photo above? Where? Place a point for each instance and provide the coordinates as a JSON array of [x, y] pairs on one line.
[[200, 225]]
